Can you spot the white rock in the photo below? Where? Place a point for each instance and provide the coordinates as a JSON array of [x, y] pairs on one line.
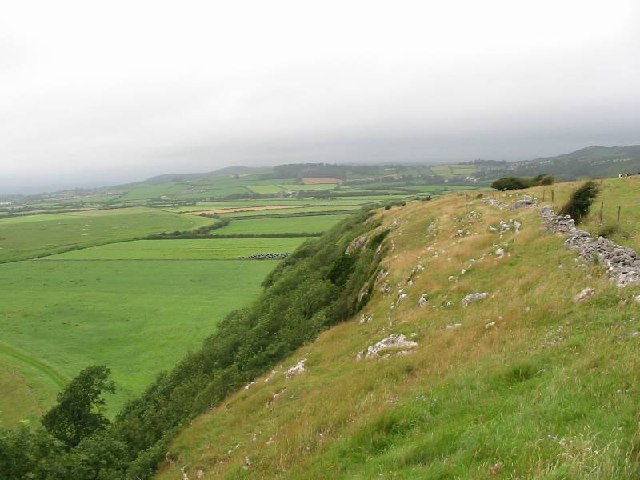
[[423, 300], [452, 326], [473, 297], [297, 369], [397, 342], [584, 294]]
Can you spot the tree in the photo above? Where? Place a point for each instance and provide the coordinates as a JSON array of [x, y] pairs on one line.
[[511, 183], [78, 412], [543, 179], [580, 202]]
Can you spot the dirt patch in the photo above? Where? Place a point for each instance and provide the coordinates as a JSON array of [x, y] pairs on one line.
[[243, 209]]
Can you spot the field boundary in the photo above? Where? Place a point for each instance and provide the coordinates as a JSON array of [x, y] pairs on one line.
[[266, 235]]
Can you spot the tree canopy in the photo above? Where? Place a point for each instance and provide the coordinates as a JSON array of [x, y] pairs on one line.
[[78, 412]]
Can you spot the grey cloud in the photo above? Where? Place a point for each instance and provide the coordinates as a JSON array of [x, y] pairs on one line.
[[369, 81]]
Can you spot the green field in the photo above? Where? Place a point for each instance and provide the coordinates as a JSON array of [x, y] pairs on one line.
[[314, 187], [200, 249], [137, 317], [324, 209], [452, 170], [136, 306], [38, 235], [219, 187], [265, 189], [311, 224], [99, 294], [353, 201]]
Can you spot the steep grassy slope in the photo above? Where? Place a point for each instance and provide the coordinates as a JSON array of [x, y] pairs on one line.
[[527, 383]]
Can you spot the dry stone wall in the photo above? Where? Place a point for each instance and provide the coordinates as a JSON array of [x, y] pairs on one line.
[[621, 262]]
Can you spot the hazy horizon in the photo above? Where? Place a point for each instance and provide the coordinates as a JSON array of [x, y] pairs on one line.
[[96, 95]]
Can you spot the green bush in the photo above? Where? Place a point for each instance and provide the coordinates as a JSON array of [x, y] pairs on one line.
[[511, 183], [580, 202], [517, 183], [543, 179]]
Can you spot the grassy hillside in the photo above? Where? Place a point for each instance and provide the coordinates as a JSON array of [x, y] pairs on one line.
[[525, 383], [590, 162]]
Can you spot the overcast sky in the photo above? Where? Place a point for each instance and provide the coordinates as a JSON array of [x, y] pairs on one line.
[[102, 92]]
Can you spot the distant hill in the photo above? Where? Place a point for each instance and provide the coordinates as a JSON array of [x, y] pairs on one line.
[[592, 162], [186, 177], [588, 162], [239, 181]]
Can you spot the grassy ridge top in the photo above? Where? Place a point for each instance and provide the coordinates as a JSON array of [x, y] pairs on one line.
[[527, 383]]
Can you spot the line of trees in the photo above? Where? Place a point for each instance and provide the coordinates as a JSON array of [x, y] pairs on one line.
[[200, 232]]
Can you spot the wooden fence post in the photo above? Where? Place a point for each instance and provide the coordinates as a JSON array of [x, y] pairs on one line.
[[618, 215], [601, 209]]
